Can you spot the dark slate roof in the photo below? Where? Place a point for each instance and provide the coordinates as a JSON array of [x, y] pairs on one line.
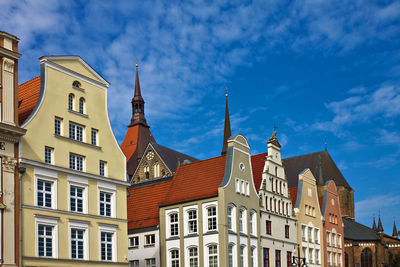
[[172, 157], [321, 165], [357, 231]]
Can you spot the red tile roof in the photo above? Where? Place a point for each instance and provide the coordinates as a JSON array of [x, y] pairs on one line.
[[257, 163], [293, 195], [28, 95], [143, 202], [129, 144], [320, 200], [196, 180]]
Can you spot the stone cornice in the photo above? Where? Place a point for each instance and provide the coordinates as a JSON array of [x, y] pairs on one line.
[[10, 132], [9, 53]]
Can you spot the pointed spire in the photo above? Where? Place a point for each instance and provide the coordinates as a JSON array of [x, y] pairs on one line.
[[137, 104], [227, 126], [374, 224], [326, 145], [395, 233], [380, 228]]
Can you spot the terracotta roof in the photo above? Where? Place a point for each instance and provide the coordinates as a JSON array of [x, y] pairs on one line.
[[257, 163], [129, 143], [143, 201], [28, 95], [196, 180], [321, 200], [321, 165], [293, 195]]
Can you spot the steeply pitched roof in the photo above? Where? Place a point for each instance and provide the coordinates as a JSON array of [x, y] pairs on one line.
[[257, 163], [293, 195], [196, 180], [28, 95], [227, 128], [321, 165], [172, 157], [143, 201], [357, 231]]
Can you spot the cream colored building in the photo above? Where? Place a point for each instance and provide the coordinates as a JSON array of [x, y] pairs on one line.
[[10, 134], [74, 187], [309, 220]]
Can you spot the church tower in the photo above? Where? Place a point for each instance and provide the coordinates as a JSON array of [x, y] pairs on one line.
[[227, 127], [138, 135]]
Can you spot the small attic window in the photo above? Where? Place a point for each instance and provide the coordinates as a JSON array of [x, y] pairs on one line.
[[76, 84]]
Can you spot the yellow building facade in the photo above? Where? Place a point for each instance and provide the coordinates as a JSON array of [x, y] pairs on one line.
[[74, 177]]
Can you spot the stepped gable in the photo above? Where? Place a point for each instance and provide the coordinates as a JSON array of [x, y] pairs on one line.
[[143, 201], [28, 95], [357, 231], [196, 180], [321, 165], [172, 158]]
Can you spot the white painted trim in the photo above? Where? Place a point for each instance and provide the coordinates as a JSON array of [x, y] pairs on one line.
[[113, 231], [50, 221], [186, 219], [85, 194], [109, 190], [40, 174], [204, 207], [81, 226], [168, 213]]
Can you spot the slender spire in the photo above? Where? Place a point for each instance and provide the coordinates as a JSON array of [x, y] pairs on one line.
[[395, 233], [380, 228], [137, 104], [227, 126], [326, 145], [374, 224]]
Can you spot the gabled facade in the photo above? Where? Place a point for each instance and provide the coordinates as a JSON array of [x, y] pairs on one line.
[[10, 133], [74, 185], [278, 229], [309, 219], [210, 215], [333, 226]]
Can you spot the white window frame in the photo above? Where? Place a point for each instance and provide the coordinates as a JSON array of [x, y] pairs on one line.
[[47, 176], [233, 217], [113, 231], [95, 133], [174, 259], [61, 126], [47, 221], [75, 159], [82, 183], [304, 233], [212, 218], [237, 185], [190, 257], [110, 189], [135, 243], [253, 223], [243, 219], [192, 220], [146, 240], [208, 255], [151, 264], [244, 247], [168, 214], [205, 207], [156, 168], [51, 150], [103, 165], [234, 258], [75, 131], [82, 105], [173, 223], [247, 189], [80, 225]]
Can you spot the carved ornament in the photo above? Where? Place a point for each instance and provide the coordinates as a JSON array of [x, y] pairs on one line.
[[9, 163]]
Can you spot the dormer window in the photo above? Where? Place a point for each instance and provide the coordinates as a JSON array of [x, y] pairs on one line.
[[76, 84]]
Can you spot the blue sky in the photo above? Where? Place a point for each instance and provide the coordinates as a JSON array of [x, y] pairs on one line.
[[312, 67]]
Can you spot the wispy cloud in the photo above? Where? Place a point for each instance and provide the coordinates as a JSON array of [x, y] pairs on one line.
[[377, 203]]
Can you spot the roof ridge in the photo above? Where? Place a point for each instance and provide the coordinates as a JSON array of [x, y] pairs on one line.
[[316, 152], [200, 161], [29, 80]]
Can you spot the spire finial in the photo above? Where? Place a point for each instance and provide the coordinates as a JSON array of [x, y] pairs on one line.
[[326, 145], [137, 65], [226, 91], [227, 125]]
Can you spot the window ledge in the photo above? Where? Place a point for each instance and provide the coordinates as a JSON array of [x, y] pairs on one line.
[[211, 232], [133, 247], [149, 245], [231, 232], [78, 142], [78, 113], [79, 88], [243, 234], [192, 235], [173, 238]]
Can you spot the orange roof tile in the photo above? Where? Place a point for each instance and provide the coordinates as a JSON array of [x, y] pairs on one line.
[[28, 95], [129, 144], [196, 180], [143, 201], [293, 195], [257, 163]]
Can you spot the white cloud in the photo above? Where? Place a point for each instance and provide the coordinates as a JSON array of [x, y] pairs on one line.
[[368, 207]]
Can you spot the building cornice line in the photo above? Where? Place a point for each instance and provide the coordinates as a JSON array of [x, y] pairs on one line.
[[76, 261], [9, 53], [69, 171], [72, 213]]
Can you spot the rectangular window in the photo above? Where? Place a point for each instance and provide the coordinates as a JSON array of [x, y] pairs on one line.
[[241, 212], [48, 155], [105, 203], [175, 258], [230, 210], [75, 162], [174, 224], [45, 240], [277, 258], [247, 189], [286, 231], [268, 227], [316, 234], [333, 240], [193, 257], [134, 263], [106, 245], [150, 240], [212, 218], [252, 257], [329, 258], [242, 187], [266, 257], [328, 238], [134, 242], [94, 137], [230, 256], [212, 256], [150, 262], [303, 233], [44, 193], [289, 259], [310, 236], [192, 222], [317, 256], [77, 243], [57, 126], [76, 198], [241, 256], [304, 250], [334, 259], [311, 256], [102, 168], [237, 185], [75, 132], [339, 241]]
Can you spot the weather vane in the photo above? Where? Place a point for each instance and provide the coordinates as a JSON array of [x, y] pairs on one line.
[[137, 61], [226, 91]]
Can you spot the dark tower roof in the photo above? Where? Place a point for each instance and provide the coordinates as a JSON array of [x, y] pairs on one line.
[[227, 127], [138, 105], [321, 165], [395, 233], [380, 228], [374, 224]]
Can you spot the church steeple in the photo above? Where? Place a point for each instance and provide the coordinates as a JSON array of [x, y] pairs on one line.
[[227, 126], [137, 104], [373, 224], [380, 228], [395, 233]]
